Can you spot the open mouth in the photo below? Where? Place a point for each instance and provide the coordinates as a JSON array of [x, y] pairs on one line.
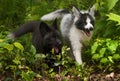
[[57, 49], [87, 32]]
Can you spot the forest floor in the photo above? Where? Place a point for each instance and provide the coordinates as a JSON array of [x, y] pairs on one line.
[[93, 77], [113, 76]]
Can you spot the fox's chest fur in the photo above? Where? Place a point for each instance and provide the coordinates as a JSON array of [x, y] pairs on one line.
[[78, 35]]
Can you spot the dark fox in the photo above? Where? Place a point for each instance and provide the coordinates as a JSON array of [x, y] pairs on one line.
[[45, 38]]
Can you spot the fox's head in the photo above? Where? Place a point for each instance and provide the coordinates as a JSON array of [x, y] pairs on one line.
[[51, 37], [84, 20]]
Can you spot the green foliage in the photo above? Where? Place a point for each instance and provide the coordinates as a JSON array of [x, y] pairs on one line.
[[12, 12], [106, 12], [4, 44], [28, 76], [105, 51], [25, 66], [18, 59], [111, 4], [114, 17], [19, 46]]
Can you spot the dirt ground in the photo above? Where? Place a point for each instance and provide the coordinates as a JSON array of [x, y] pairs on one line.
[[93, 77], [105, 77]]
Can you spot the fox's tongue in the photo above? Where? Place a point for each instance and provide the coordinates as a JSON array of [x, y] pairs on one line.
[[56, 50], [87, 32]]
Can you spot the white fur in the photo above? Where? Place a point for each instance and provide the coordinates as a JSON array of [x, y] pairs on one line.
[[66, 25], [83, 11], [92, 13], [76, 12], [89, 25], [52, 15], [77, 37]]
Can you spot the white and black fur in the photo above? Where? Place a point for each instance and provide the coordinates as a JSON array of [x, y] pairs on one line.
[[76, 27]]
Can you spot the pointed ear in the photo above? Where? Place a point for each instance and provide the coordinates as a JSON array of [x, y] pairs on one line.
[[44, 28], [92, 11], [75, 11], [55, 24]]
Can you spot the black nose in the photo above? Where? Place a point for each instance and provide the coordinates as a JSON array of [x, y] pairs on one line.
[[91, 28], [60, 43]]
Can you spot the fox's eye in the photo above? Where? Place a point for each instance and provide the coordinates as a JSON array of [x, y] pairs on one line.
[[80, 23]]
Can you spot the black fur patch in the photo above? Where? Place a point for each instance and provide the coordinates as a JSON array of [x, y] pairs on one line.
[[81, 22]]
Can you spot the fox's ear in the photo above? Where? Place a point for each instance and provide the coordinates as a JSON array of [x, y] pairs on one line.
[[55, 24], [75, 11], [44, 28], [92, 11]]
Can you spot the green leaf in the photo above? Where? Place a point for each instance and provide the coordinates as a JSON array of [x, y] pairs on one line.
[[112, 45], [116, 56], [33, 50], [26, 76], [19, 46], [1, 40], [104, 60], [2, 44], [114, 17], [39, 56], [9, 47], [57, 63], [110, 59], [108, 40], [94, 47], [102, 52], [111, 4], [95, 56], [17, 60]]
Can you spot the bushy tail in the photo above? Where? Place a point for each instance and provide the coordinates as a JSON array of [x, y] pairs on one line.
[[25, 28], [55, 14]]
